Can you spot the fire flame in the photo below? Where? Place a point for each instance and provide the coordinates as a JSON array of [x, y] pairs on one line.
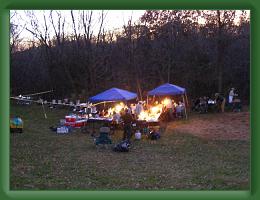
[[166, 101], [117, 108], [152, 114]]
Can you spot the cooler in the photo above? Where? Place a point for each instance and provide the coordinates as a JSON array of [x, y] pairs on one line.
[[70, 118]]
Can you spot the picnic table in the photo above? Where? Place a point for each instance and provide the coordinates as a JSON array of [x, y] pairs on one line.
[[95, 123]]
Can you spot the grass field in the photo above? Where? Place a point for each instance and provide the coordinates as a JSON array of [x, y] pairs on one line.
[[41, 159]]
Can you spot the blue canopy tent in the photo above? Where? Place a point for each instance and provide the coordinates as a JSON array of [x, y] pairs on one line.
[[168, 89], [113, 94]]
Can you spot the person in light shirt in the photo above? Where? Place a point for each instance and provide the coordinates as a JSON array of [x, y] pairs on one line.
[[138, 109], [231, 95], [116, 117]]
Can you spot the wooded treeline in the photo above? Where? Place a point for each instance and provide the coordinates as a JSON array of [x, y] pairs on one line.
[[203, 51]]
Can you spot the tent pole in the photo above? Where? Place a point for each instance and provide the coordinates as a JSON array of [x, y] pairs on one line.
[[185, 109], [187, 100], [45, 116]]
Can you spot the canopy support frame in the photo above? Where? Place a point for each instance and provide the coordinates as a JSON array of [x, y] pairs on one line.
[[185, 105]]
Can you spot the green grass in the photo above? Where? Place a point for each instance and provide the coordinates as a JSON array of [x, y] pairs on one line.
[[41, 159]]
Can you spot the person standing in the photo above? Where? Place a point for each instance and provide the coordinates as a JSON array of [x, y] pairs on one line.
[[221, 101], [163, 119], [138, 109], [169, 107], [231, 95], [127, 118]]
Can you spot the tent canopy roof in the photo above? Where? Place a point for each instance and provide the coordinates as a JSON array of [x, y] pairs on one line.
[[113, 94], [167, 89]]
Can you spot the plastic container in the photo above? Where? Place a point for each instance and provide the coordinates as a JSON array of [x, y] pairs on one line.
[[138, 135], [80, 123], [62, 130], [72, 124], [62, 122], [70, 118]]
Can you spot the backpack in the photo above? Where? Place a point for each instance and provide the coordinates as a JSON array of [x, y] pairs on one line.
[[154, 135], [123, 146]]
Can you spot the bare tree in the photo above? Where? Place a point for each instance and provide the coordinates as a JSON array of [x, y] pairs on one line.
[[129, 32], [220, 21], [87, 23], [75, 28], [15, 33]]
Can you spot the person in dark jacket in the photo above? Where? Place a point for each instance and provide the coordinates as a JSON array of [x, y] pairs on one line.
[[127, 118], [221, 101]]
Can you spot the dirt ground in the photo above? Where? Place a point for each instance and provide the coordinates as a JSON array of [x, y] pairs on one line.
[[217, 126]]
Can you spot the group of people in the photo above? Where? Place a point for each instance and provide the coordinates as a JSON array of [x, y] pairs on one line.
[[170, 110], [175, 110], [218, 103]]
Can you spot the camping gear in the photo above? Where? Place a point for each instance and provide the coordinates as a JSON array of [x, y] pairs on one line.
[[74, 121], [122, 146], [103, 137], [62, 122], [16, 125], [70, 118], [113, 94], [167, 89], [237, 106], [80, 123], [53, 128], [154, 135], [138, 135], [62, 130]]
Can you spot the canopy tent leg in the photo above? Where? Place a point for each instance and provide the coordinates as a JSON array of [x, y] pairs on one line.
[[44, 111], [186, 99], [185, 109]]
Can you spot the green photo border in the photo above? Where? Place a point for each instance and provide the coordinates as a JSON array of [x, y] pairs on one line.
[[7, 5]]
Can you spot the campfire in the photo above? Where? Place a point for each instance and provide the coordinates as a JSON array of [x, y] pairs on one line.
[[117, 108], [152, 114]]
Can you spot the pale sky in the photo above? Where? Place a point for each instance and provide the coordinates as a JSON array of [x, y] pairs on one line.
[[114, 19]]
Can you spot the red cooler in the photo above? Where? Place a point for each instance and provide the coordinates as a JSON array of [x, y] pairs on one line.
[[80, 123], [70, 118]]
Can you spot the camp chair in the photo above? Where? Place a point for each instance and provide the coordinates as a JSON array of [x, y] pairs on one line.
[[103, 138], [237, 106]]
